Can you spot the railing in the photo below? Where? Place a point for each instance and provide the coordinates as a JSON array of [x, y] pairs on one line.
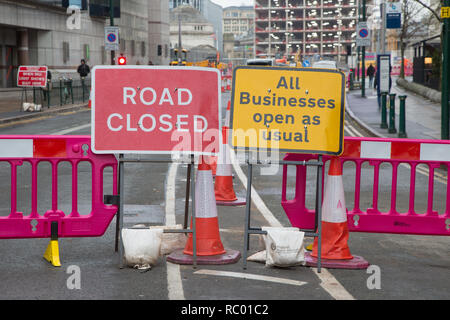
[[56, 151], [374, 151]]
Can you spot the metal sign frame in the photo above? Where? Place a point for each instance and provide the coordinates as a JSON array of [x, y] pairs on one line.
[[119, 200], [379, 58], [316, 232]]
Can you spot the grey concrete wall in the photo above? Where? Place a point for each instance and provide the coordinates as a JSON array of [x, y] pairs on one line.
[[133, 25], [214, 14], [158, 32]]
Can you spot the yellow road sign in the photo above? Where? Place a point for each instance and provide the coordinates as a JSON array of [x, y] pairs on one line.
[[445, 12], [288, 109]]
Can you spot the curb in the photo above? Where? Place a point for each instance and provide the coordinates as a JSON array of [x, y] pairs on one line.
[[425, 92], [32, 115], [349, 111]]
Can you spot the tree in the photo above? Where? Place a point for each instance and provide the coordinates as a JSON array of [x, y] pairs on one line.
[[412, 22]]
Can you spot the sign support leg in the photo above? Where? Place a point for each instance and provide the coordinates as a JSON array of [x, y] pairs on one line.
[[319, 215], [186, 203], [121, 206], [194, 229], [247, 211]]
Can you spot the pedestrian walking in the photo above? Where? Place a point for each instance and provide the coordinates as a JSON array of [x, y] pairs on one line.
[[370, 74], [83, 70], [46, 89]]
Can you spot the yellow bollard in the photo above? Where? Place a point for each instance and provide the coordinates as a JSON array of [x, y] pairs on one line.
[[52, 253]]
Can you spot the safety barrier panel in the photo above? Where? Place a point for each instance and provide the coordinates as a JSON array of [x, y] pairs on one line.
[[16, 150], [376, 151]]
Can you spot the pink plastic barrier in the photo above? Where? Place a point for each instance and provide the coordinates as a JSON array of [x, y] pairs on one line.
[[376, 151], [54, 149]]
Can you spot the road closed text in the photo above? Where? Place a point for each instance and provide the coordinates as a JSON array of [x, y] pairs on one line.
[[148, 122]]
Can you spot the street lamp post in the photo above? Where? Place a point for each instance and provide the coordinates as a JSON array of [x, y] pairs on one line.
[[363, 56], [111, 22]]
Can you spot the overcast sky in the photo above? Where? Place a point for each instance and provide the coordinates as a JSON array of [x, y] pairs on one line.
[[229, 3]]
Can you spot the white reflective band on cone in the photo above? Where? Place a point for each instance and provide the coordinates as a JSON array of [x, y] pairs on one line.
[[205, 199], [224, 162], [333, 208]]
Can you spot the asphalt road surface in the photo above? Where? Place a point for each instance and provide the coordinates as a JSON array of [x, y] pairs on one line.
[[411, 267]]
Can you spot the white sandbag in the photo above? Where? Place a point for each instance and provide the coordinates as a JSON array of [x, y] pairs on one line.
[[171, 241], [141, 247], [284, 247], [258, 257], [28, 106]]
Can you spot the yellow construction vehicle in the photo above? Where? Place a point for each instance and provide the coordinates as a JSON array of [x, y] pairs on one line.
[[175, 62]]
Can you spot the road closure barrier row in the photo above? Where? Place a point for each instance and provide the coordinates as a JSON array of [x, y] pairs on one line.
[[18, 150], [376, 151]]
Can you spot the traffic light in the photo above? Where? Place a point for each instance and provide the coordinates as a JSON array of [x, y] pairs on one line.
[[122, 61]]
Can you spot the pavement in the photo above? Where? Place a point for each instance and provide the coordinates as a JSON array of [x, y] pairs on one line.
[[10, 109], [423, 117]]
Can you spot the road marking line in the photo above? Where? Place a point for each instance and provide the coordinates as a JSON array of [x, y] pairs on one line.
[[328, 282], [174, 283], [259, 203], [332, 286], [250, 276], [66, 131]]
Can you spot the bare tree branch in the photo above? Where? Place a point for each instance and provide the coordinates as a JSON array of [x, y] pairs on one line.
[[430, 9]]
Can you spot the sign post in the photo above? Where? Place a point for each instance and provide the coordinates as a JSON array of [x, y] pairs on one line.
[[111, 38], [287, 110], [393, 15], [31, 77], [155, 110]]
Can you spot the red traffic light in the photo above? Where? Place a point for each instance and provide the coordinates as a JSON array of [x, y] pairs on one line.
[[122, 61]]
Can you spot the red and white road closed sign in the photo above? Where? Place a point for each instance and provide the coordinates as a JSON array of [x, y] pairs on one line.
[[140, 109], [32, 76]]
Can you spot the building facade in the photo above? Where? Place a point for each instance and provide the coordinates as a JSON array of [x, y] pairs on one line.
[[195, 29], [158, 32], [238, 20], [313, 27], [38, 32], [208, 9]]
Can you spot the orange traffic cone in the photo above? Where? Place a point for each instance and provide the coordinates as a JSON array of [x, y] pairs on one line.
[[335, 252], [223, 185], [89, 103], [210, 249], [209, 242], [213, 159]]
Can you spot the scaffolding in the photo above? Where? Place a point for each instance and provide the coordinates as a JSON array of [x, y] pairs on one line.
[[322, 28]]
